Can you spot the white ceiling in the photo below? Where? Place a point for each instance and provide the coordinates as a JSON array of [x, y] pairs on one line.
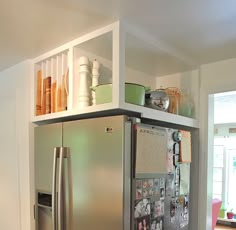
[[200, 31]]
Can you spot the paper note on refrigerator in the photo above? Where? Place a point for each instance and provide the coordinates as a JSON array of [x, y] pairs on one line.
[[151, 150], [184, 178], [185, 147]]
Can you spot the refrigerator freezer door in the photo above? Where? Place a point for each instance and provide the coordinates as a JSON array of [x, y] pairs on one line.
[[46, 139], [96, 165]]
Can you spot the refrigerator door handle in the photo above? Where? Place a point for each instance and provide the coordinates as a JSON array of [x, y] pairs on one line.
[[63, 154], [54, 196], [60, 190]]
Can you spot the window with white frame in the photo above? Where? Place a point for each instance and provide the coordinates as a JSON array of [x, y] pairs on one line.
[[224, 170], [218, 172]]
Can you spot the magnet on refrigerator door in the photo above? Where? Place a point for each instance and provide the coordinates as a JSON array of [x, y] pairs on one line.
[[172, 210], [162, 193], [139, 190], [170, 185], [142, 208], [156, 212], [143, 223], [157, 224]]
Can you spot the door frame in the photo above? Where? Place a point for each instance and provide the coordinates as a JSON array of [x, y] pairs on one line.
[[205, 160], [206, 156]]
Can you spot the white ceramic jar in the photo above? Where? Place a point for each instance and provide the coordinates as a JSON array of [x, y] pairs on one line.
[[84, 82]]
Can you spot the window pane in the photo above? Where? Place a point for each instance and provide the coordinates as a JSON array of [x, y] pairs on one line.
[[218, 156], [217, 187], [232, 177], [218, 160], [234, 163], [217, 174], [217, 196]]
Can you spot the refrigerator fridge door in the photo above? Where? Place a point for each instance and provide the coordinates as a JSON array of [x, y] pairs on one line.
[[97, 174], [161, 198], [47, 138]]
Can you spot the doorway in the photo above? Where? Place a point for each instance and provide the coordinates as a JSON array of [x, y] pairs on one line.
[[224, 154]]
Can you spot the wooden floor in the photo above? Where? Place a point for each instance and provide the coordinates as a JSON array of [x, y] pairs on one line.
[[222, 227]]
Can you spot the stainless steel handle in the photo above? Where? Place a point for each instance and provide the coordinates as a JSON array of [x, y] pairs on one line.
[[60, 190], [54, 196]]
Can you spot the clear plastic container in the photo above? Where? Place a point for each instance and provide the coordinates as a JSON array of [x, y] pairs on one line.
[[186, 106]]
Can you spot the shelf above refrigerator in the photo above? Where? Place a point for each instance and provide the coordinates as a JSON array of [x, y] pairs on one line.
[[120, 57], [108, 109]]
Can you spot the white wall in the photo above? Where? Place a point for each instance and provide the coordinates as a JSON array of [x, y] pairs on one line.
[[14, 141], [134, 76], [219, 77], [214, 78], [9, 187]]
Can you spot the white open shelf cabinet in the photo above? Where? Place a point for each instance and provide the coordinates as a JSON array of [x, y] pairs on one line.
[[122, 58]]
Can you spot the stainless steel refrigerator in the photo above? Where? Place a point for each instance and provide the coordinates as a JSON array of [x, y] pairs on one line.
[[88, 173]]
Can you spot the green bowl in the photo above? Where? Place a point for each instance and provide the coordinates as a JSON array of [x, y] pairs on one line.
[[134, 93]]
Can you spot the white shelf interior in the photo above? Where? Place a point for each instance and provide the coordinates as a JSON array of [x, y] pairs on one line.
[[55, 67], [144, 55], [99, 48], [149, 65]]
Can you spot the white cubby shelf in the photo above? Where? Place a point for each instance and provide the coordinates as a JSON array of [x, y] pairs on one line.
[[124, 56]]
